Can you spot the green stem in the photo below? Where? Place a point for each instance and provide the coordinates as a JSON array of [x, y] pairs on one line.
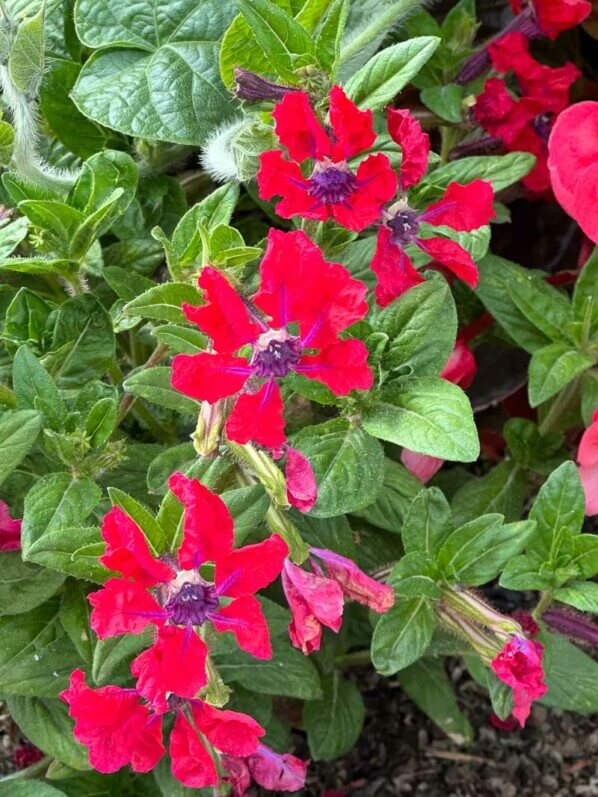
[[543, 604], [559, 406], [355, 659]]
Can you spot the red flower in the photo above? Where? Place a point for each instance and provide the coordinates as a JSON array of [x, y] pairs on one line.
[[573, 164], [333, 190], [118, 729], [179, 599], [297, 287], [587, 457], [554, 16], [10, 530], [524, 124], [267, 768], [462, 208], [316, 598], [519, 665]]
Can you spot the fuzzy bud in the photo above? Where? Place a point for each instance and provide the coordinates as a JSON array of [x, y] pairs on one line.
[[254, 88]]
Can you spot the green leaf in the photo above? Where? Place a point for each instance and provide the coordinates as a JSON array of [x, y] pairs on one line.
[[18, 434], [44, 266], [570, 675], [33, 384], [112, 657], [152, 530], [163, 302], [398, 491], [328, 41], [445, 101], [180, 340], [248, 507], [23, 586], [585, 293], [287, 673], [502, 490], [46, 723], [583, 595], [545, 306], [348, 466], [501, 170], [402, 635], [475, 553], [522, 573], [143, 52], [11, 236], [101, 175], [552, 368], [559, 504], [7, 139], [428, 685], [333, 724], [101, 421], [36, 655], [427, 415], [427, 523], [74, 615], [153, 384], [284, 42], [29, 789], [530, 449], [26, 58], [384, 75], [239, 48]]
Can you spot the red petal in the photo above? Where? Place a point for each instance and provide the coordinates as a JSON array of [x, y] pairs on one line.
[[461, 367], [224, 318], [123, 607], [10, 530], [258, 417], [230, 732], [511, 53], [393, 268], [555, 17], [353, 129], [209, 377], [191, 762], [176, 663], [453, 256], [250, 568], [302, 490], [355, 584], [244, 618], [498, 113], [280, 177], [587, 453], [586, 201], [376, 185], [208, 531], [463, 207], [589, 482], [406, 131], [277, 772], [519, 665], [298, 129], [127, 550], [237, 774], [297, 284], [342, 367], [305, 631], [422, 466], [115, 727]]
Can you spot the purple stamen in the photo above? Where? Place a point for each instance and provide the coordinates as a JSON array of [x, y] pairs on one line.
[[192, 604], [404, 226], [278, 358], [332, 185], [542, 126]]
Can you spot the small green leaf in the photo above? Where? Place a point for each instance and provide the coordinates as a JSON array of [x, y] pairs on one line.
[[502, 489], [328, 41], [552, 368], [333, 724], [163, 302], [402, 635], [143, 518], [585, 293], [26, 58], [501, 170], [559, 504], [398, 491], [23, 586], [153, 385], [18, 434], [445, 101], [546, 307], [427, 523]]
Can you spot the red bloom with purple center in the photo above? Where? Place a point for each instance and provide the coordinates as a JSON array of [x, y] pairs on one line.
[[462, 208], [553, 16], [524, 123], [308, 302], [317, 597], [178, 597], [519, 665], [333, 189], [119, 729]]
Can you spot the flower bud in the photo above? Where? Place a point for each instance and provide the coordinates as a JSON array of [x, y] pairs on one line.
[[254, 88], [206, 437], [469, 605]]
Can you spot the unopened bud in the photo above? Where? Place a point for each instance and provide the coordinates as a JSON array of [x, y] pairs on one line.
[[485, 644], [263, 467], [254, 88], [206, 437], [472, 607]]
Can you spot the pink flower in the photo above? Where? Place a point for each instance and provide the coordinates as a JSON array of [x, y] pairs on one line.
[[587, 457], [333, 190], [316, 597], [462, 208], [297, 287], [519, 665], [10, 530], [175, 596], [573, 164], [268, 769], [302, 490], [118, 729]]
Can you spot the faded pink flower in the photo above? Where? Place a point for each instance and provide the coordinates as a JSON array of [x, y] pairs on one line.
[[268, 769], [302, 490], [519, 665]]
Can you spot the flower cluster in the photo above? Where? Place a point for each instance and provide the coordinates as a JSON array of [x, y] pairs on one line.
[[317, 597], [208, 581], [358, 200], [524, 123], [308, 302]]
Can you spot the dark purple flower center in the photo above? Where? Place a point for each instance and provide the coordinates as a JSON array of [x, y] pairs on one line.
[[278, 358], [332, 185], [404, 226], [192, 604], [542, 125]]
